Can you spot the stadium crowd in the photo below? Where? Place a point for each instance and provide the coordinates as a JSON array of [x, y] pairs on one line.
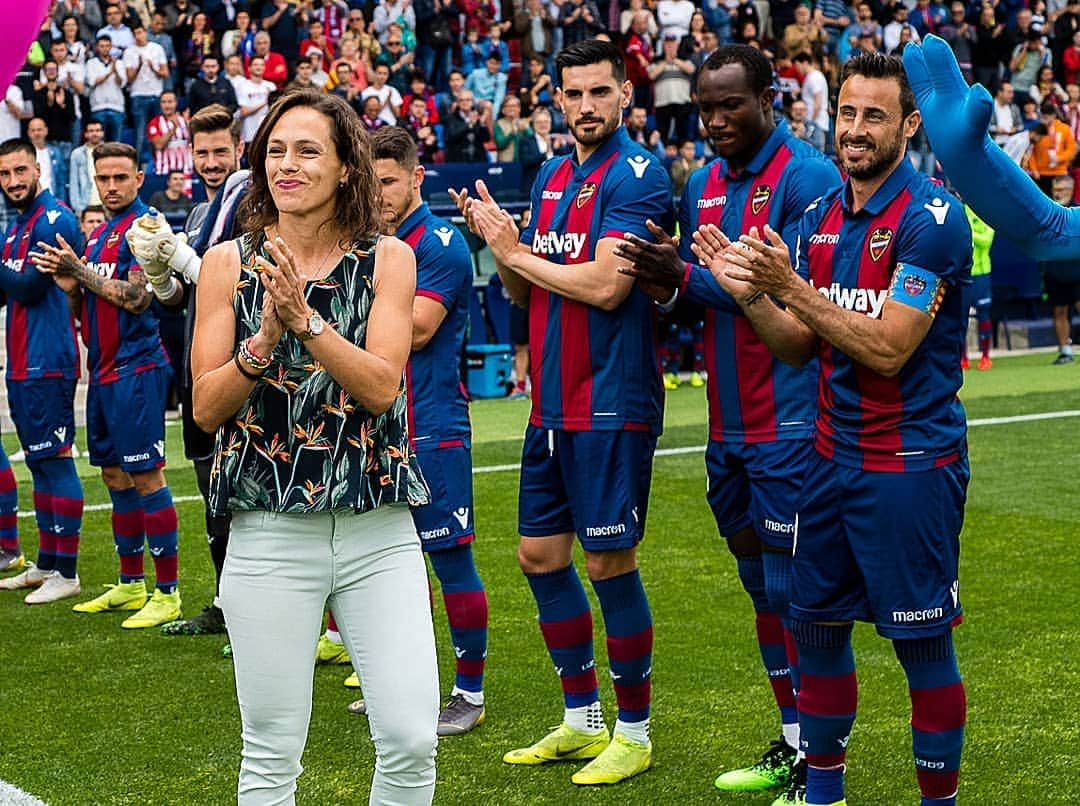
[[780, 91]]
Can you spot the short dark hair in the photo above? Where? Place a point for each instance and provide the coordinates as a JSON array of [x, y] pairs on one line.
[[91, 208], [103, 38], [123, 150], [591, 51], [756, 65], [455, 70], [878, 65], [137, 26], [214, 118], [175, 172], [394, 143], [17, 144], [1048, 108]]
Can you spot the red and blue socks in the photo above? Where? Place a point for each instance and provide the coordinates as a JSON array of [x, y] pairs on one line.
[[160, 521], [567, 626], [828, 696], [986, 328], [467, 611], [628, 623], [58, 507], [938, 714], [129, 533], [770, 633], [9, 506]]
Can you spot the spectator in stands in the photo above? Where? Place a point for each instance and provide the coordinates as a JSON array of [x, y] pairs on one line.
[[345, 87], [417, 122], [1052, 149], [495, 44], [805, 33], [538, 25], [488, 84], [893, 33], [349, 53], [389, 97], [73, 37], [928, 17], [626, 19], [105, 81], [234, 72], [171, 198], [241, 38], [1018, 29], [446, 101], [56, 105], [51, 160], [146, 68], [319, 78], [90, 219], [398, 60], [253, 98], [1072, 110], [1047, 90], [436, 40], [157, 35], [302, 80], [463, 131], [683, 165], [334, 16], [815, 89], [1061, 280], [211, 88], [82, 188], [990, 48], [178, 14], [473, 50], [168, 135], [370, 111], [961, 38], [834, 17], [85, 18], [674, 17], [1026, 60], [536, 85], [477, 13], [804, 128], [580, 20], [391, 11], [1067, 23], [120, 36], [509, 129], [418, 88], [534, 151], [281, 23], [274, 68], [316, 38], [638, 55], [637, 127], [696, 38], [671, 89]]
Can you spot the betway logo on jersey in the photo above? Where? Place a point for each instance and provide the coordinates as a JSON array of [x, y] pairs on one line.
[[15, 264], [715, 201], [570, 244], [103, 269], [604, 531], [862, 300]]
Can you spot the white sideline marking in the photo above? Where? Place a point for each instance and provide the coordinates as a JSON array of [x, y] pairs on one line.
[[13, 796], [1019, 418]]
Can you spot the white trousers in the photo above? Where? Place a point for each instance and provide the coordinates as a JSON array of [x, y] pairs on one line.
[[280, 572]]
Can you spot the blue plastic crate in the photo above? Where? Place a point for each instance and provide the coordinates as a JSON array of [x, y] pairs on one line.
[[488, 369]]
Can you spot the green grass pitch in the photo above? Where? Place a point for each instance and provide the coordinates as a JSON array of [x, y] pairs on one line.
[[92, 714]]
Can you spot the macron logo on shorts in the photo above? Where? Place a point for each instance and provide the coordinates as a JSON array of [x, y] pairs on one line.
[[779, 528], [916, 616], [605, 531], [431, 534]]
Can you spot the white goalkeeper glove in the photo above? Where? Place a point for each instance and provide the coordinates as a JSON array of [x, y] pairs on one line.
[[179, 256]]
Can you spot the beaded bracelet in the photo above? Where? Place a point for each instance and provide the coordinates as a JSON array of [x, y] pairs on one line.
[[251, 376], [255, 361]]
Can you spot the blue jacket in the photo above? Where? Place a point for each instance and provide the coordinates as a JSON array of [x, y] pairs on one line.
[[79, 188]]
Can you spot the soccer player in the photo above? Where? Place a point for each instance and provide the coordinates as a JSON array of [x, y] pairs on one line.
[[125, 407], [761, 411], [597, 407], [42, 368], [956, 118], [882, 263], [439, 414], [215, 151]]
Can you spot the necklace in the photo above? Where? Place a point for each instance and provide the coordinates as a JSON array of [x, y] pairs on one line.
[[317, 274]]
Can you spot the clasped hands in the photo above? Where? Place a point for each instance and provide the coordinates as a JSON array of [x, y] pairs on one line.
[[285, 304]]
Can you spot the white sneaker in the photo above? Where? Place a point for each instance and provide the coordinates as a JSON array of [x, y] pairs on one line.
[[30, 578], [53, 589]]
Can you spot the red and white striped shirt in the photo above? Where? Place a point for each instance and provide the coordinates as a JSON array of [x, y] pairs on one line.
[[175, 156]]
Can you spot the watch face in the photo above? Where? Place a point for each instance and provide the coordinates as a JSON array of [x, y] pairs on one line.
[[316, 324]]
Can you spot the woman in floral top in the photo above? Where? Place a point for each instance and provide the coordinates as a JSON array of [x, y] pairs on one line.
[[301, 340]]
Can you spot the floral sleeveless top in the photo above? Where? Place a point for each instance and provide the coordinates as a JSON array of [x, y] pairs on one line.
[[300, 443]]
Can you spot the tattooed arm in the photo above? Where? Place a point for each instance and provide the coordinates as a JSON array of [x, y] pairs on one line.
[[131, 294]]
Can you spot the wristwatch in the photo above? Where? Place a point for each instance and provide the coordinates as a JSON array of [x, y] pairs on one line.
[[315, 325]]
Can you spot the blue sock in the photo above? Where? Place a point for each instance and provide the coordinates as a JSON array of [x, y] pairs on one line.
[[43, 515], [628, 623], [128, 533], [778, 581], [67, 510], [159, 518], [566, 623], [466, 610]]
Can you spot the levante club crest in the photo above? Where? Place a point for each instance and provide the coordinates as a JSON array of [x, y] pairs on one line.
[[761, 197], [588, 190], [879, 242], [913, 285]]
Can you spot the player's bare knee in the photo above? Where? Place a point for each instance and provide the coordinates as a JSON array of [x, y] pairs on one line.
[[608, 564], [539, 555], [115, 478], [745, 543], [148, 481]]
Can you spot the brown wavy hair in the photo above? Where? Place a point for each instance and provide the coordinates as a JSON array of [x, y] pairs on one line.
[[358, 208]]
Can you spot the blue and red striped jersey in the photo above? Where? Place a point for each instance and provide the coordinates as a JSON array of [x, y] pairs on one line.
[[41, 341], [753, 396], [118, 343], [595, 370], [438, 410], [910, 243]]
